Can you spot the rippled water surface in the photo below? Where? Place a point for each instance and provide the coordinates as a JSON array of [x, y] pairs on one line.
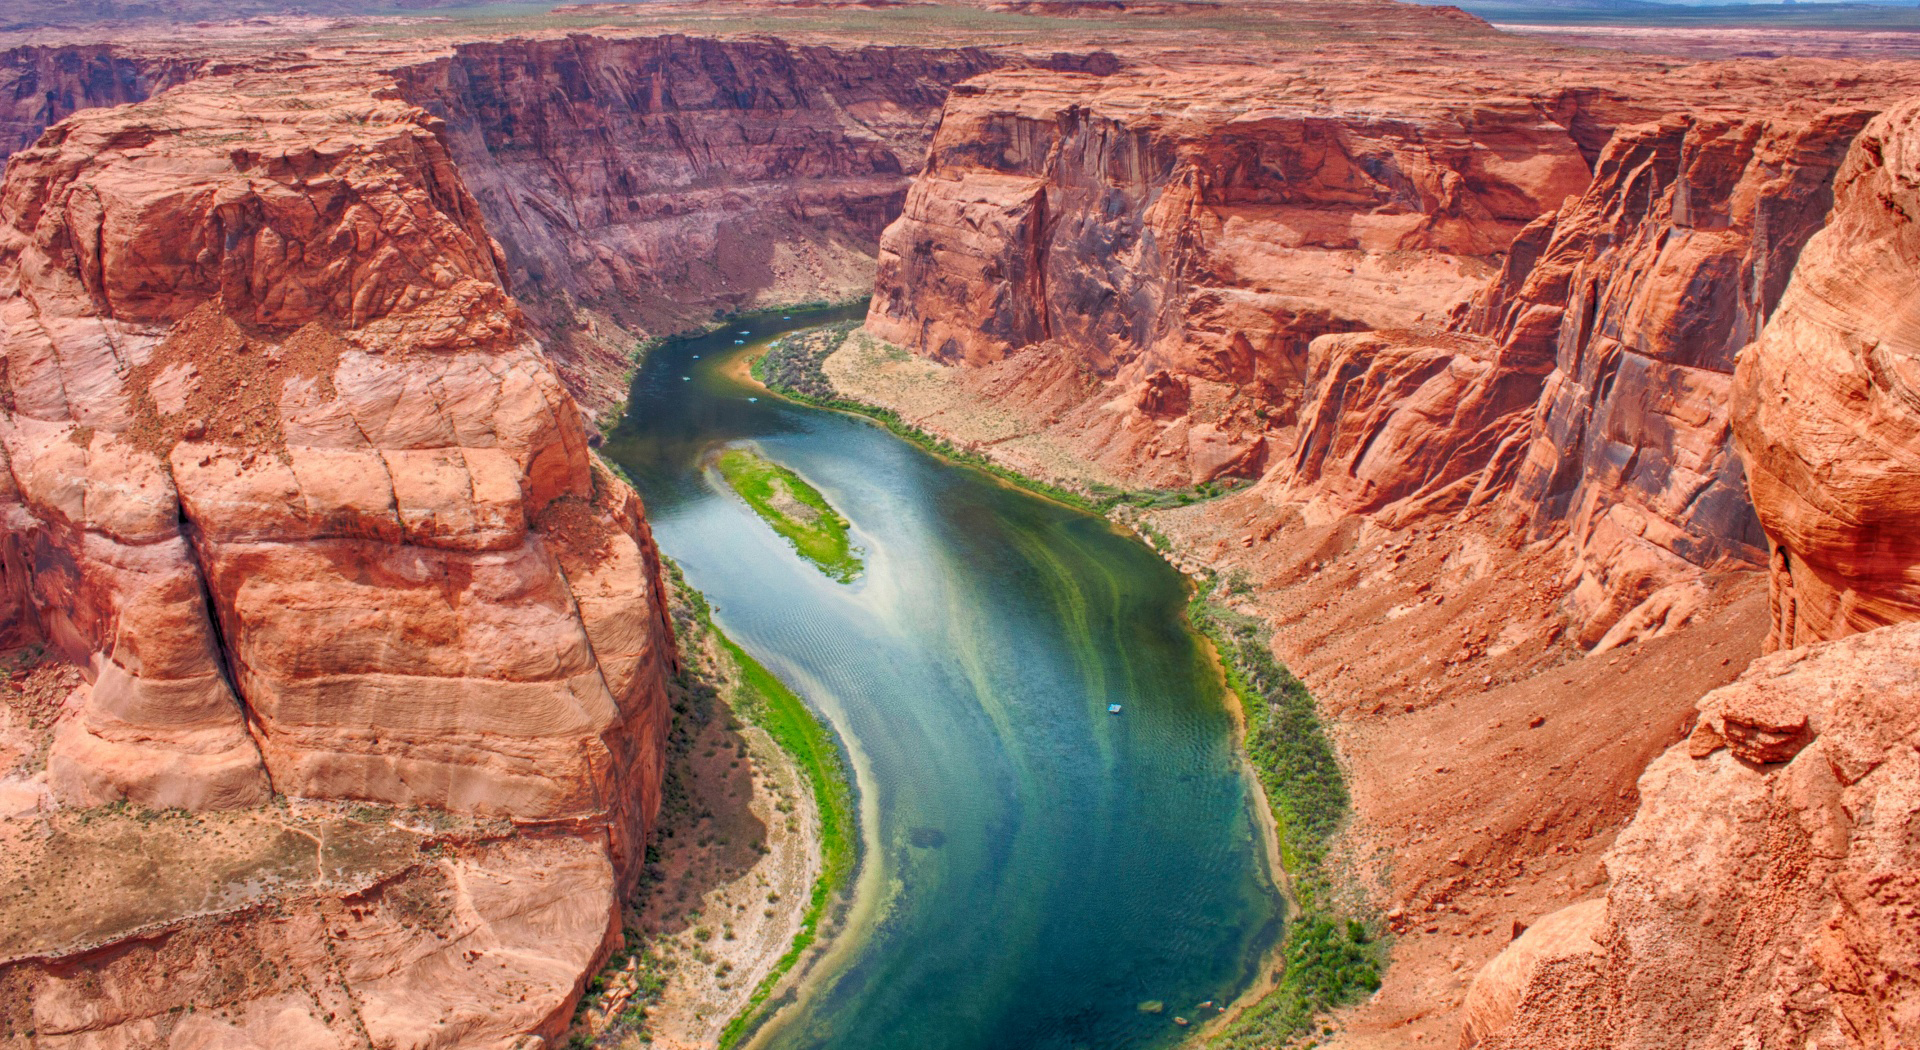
[[1036, 867]]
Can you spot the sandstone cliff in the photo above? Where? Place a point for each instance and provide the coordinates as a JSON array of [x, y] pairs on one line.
[[288, 478], [1179, 240], [1827, 410], [1586, 389], [1216, 273], [662, 180], [1765, 891], [40, 85]]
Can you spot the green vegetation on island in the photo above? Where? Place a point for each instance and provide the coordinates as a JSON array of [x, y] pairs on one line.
[[795, 510]]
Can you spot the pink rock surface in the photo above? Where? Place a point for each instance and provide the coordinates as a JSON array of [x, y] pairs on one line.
[[1766, 891]]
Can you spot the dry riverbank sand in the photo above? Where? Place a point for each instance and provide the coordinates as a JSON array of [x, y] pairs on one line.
[[728, 877]]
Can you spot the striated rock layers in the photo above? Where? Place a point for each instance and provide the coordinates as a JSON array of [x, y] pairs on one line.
[[1403, 316], [1177, 240], [662, 180], [1767, 890], [1587, 388], [1827, 405], [287, 476]]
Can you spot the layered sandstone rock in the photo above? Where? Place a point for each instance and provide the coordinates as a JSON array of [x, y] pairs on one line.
[[290, 480], [1827, 405], [275, 428], [662, 180], [1587, 388], [483, 945], [1766, 892], [1182, 237], [1145, 261]]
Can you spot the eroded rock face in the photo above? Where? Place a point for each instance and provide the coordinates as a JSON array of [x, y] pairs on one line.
[[1671, 263], [1190, 290], [1204, 226], [1826, 405], [40, 85], [1766, 891], [665, 179], [293, 483], [482, 947]]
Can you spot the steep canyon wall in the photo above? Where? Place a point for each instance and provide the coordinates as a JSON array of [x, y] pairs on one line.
[[1766, 890], [288, 476], [1405, 316], [663, 180]]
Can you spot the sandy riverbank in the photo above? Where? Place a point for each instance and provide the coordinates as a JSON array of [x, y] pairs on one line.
[[729, 872]]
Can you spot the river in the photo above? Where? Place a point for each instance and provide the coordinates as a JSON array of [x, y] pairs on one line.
[[1036, 868]]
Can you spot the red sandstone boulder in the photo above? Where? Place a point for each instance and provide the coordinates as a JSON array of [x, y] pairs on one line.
[[1767, 891]]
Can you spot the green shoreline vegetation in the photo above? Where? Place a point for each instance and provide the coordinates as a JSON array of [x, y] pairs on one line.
[[1328, 958], [795, 510], [767, 702], [755, 694], [791, 367]]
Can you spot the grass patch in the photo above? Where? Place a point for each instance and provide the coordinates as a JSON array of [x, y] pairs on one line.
[[766, 701], [796, 510], [1329, 959], [792, 367]]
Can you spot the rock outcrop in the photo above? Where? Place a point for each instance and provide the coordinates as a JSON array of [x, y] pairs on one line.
[[1587, 388], [288, 477], [1765, 894], [1826, 405]]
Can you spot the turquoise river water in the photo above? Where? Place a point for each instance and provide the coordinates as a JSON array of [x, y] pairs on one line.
[[1035, 867]]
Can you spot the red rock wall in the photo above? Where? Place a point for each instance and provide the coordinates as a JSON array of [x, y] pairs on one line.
[[1587, 387], [1259, 293], [40, 85], [1826, 405], [666, 179], [1204, 227], [297, 487], [1673, 261], [1766, 891]]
